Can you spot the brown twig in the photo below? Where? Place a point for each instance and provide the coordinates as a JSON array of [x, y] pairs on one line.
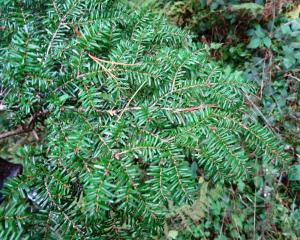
[[114, 112], [111, 62], [25, 129]]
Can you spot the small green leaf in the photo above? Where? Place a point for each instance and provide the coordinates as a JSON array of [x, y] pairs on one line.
[[267, 42], [194, 169], [254, 43], [252, 8], [297, 55], [63, 98], [259, 32], [289, 61], [287, 50], [214, 5], [221, 237], [285, 29], [215, 46], [173, 234], [295, 173], [295, 45], [296, 26]]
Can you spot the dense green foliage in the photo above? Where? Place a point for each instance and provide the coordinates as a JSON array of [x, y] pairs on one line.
[[129, 109], [262, 40], [275, 69]]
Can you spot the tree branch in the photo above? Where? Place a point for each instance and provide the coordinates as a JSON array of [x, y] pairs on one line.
[[25, 129], [114, 112]]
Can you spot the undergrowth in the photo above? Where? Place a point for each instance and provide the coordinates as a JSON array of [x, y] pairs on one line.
[[262, 40]]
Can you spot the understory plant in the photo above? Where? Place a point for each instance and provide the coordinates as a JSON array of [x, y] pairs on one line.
[[127, 113], [261, 39]]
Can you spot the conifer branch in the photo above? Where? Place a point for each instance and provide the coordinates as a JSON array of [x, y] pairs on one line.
[[113, 112], [111, 62], [21, 129], [134, 100]]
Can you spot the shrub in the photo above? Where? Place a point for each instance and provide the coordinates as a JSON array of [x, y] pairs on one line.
[[122, 103], [261, 40]]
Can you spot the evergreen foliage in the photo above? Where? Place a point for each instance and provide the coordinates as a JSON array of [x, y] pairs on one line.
[[125, 103]]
